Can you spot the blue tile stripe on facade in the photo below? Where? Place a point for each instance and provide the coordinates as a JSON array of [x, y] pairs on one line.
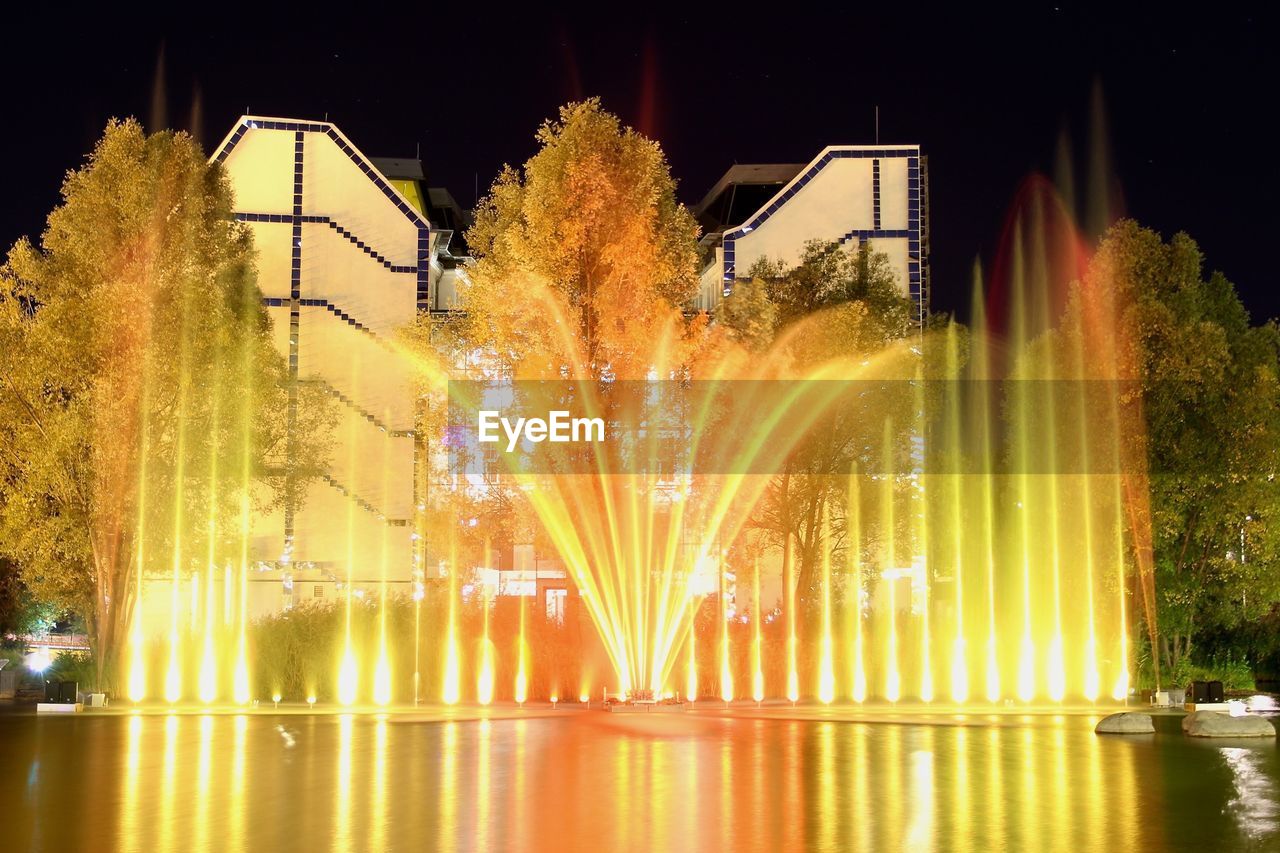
[[355, 407], [875, 194], [362, 503], [313, 302], [422, 268], [344, 232], [295, 292]]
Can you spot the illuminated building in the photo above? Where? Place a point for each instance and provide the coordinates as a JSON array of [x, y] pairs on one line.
[[851, 194], [352, 248]]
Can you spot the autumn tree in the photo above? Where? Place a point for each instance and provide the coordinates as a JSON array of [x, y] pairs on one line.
[[583, 257], [135, 343], [1210, 401], [591, 218]]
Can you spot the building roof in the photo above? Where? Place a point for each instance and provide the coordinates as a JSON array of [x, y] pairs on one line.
[[740, 191], [399, 168]]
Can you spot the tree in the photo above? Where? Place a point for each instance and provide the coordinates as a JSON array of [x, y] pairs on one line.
[[1209, 399], [20, 612], [850, 303], [588, 229], [135, 340], [591, 221]]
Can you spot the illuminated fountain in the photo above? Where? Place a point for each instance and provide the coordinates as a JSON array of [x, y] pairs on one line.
[[981, 546]]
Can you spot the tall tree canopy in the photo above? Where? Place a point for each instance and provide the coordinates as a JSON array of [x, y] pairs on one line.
[[134, 340], [1207, 392], [1211, 399], [592, 218]]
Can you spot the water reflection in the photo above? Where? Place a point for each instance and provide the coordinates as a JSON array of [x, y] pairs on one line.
[[1254, 805], [342, 801], [599, 782]]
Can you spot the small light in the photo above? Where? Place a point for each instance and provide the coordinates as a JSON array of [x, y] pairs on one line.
[[39, 660]]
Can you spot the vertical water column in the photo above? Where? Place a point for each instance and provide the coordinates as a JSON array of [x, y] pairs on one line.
[[240, 678], [826, 663], [173, 672], [208, 678], [853, 536], [956, 501], [451, 690], [348, 669], [1022, 457], [382, 669], [757, 640], [921, 569], [137, 688], [726, 672], [889, 572], [981, 375]]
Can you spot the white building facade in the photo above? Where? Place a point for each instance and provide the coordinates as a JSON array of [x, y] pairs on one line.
[[848, 194], [352, 250]]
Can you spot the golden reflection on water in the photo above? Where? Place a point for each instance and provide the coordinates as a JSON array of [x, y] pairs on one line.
[[168, 794], [890, 829], [996, 825], [378, 832], [827, 786], [129, 825], [861, 762], [604, 783], [794, 790], [342, 790], [482, 799], [238, 839], [1095, 820], [958, 786], [203, 780], [520, 774], [920, 835], [1062, 793], [449, 787]]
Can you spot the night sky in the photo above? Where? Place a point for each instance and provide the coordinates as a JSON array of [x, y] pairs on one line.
[[1189, 101]]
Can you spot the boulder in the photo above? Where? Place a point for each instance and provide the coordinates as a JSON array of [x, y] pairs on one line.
[[1125, 723], [1218, 724]]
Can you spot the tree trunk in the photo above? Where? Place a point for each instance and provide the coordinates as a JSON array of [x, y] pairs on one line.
[[113, 606]]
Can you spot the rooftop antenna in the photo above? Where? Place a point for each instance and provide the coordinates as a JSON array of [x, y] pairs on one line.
[[417, 151], [877, 124], [326, 116]]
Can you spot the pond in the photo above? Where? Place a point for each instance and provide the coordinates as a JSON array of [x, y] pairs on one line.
[[586, 780]]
